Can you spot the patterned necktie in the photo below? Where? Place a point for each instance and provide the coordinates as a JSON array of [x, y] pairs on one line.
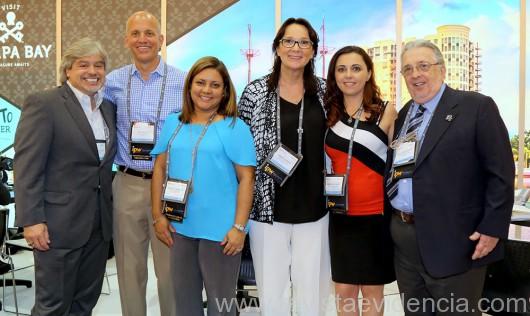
[[416, 120], [414, 124]]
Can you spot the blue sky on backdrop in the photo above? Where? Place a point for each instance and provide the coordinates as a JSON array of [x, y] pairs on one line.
[[494, 25]]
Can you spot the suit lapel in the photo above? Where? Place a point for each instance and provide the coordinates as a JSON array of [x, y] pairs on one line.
[[443, 115], [107, 116], [76, 112], [401, 120]]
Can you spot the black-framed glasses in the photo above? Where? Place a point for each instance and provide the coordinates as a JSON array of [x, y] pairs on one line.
[[420, 67], [289, 43]]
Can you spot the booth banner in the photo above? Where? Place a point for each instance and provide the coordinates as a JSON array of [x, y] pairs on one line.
[[27, 48], [9, 116]]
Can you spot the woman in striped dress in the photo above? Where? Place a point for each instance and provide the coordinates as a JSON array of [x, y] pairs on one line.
[[360, 244]]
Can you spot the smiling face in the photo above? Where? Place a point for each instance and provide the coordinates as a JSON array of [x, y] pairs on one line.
[[295, 58], [207, 90], [87, 74], [423, 86], [351, 74], [143, 38]]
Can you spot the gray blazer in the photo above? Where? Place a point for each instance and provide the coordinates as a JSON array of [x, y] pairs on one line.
[[59, 179]]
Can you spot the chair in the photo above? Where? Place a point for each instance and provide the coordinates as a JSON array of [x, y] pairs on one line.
[[509, 280], [6, 262], [246, 278]]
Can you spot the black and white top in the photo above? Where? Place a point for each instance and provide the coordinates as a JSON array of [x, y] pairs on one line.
[[257, 108]]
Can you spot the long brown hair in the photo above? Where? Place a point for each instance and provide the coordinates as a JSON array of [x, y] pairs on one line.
[[227, 106], [334, 99], [310, 81]]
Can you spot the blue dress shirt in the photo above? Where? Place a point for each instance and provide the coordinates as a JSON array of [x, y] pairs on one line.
[[403, 200], [145, 96]]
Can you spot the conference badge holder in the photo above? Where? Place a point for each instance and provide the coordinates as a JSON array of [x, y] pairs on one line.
[[405, 155], [175, 199], [142, 140], [101, 145], [336, 193], [281, 164]]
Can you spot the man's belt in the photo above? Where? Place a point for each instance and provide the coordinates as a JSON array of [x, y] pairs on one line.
[[136, 173], [405, 217]]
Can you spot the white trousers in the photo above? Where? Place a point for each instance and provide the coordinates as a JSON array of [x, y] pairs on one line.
[[292, 258]]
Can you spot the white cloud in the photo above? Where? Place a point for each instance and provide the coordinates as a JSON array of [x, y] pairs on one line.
[[498, 39]]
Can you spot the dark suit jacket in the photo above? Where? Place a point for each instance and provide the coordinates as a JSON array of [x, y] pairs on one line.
[[59, 179], [463, 181]]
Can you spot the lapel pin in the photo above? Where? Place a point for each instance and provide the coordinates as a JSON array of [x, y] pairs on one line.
[[449, 118]]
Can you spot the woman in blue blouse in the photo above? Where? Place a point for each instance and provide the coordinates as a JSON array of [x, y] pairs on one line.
[[211, 160]]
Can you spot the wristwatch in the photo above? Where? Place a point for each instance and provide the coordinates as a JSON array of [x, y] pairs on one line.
[[240, 227]]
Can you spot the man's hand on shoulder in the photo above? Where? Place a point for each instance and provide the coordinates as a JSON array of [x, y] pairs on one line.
[[37, 236], [484, 245]]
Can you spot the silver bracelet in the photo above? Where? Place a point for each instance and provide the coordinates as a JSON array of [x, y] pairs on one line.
[[240, 227], [156, 220]]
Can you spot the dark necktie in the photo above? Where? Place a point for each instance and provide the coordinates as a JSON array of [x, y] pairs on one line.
[[414, 124], [416, 120], [93, 102]]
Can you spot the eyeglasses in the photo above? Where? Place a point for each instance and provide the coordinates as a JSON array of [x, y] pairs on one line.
[[420, 67], [289, 43]]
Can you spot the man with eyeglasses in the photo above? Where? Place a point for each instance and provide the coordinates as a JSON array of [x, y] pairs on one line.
[[450, 182]]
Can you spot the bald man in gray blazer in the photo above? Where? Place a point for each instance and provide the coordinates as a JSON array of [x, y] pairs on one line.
[[64, 149]]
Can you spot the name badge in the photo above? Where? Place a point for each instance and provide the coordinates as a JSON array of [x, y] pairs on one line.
[[175, 199], [143, 132], [142, 140], [281, 164], [405, 153], [334, 185], [176, 191], [101, 145]]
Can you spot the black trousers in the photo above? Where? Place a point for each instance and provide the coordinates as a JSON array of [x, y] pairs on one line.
[[421, 293], [68, 281]]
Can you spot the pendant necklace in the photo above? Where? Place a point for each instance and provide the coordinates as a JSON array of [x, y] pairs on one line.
[[357, 112]]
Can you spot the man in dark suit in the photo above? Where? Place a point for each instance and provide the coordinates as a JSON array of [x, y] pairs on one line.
[[64, 148], [450, 182]]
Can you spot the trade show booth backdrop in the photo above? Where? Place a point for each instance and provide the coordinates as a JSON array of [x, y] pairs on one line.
[[481, 41], [33, 31]]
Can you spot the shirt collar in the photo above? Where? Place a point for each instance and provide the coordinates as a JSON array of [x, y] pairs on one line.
[[158, 70], [85, 99], [430, 106]]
